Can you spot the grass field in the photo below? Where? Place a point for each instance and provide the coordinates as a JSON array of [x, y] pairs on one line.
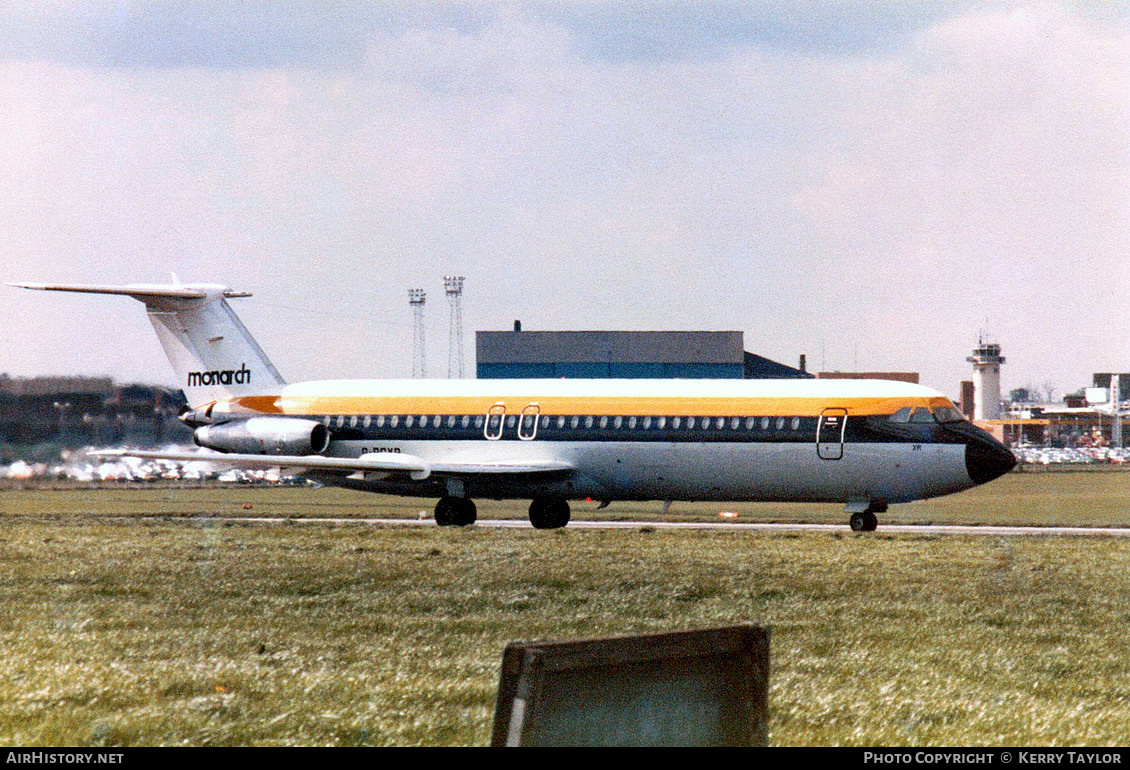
[[1038, 498], [194, 630]]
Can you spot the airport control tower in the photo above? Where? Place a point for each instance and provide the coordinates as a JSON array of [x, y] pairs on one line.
[[986, 360]]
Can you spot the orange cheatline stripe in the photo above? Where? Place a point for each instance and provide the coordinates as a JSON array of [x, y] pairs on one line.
[[259, 404], [641, 406]]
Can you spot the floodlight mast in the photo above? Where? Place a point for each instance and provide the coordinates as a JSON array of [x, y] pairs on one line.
[[453, 284], [416, 300]]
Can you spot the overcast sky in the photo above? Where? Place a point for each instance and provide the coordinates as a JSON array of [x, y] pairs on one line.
[[873, 184]]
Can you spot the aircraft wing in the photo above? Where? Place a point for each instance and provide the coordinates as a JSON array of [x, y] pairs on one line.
[[374, 462], [471, 469]]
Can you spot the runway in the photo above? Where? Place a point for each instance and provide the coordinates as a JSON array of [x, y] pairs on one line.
[[735, 527]]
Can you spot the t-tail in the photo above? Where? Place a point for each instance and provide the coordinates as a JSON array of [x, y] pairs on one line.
[[211, 351]]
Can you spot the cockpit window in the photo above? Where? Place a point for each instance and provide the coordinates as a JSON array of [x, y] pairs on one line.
[[921, 414], [902, 415], [948, 414]]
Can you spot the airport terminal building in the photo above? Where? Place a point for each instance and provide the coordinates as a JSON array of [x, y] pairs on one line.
[[622, 354]]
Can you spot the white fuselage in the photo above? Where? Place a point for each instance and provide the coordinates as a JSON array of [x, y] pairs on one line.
[[786, 472], [761, 444]]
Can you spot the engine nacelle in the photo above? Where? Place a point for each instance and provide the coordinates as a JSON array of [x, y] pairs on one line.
[[194, 418], [265, 436]]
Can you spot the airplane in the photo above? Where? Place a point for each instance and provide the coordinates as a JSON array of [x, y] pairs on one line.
[[865, 444]]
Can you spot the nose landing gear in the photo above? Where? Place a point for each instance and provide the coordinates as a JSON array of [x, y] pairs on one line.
[[863, 518], [864, 521]]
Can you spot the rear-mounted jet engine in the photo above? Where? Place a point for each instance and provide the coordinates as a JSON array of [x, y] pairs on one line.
[[265, 436]]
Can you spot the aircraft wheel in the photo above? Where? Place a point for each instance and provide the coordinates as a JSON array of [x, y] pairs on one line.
[[465, 512], [445, 511], [549, 513], [455, 512], [864, 521]]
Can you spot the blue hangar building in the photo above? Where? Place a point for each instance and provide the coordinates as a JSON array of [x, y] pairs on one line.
[[624, 355]]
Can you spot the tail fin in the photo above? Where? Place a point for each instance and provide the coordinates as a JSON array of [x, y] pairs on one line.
[[211, 351]]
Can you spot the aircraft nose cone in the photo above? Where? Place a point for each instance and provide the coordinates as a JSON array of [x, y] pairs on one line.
[[987, 459]]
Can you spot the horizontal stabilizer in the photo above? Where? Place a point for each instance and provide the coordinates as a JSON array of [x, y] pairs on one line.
[[138, 290]]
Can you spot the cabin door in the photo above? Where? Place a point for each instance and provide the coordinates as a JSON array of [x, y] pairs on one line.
[[495, 422], [830, 433], [528, 424]]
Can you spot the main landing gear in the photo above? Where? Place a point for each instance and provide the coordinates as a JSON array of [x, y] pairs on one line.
[[549, 512], [455, 512], [545, 512], [865, 520]]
